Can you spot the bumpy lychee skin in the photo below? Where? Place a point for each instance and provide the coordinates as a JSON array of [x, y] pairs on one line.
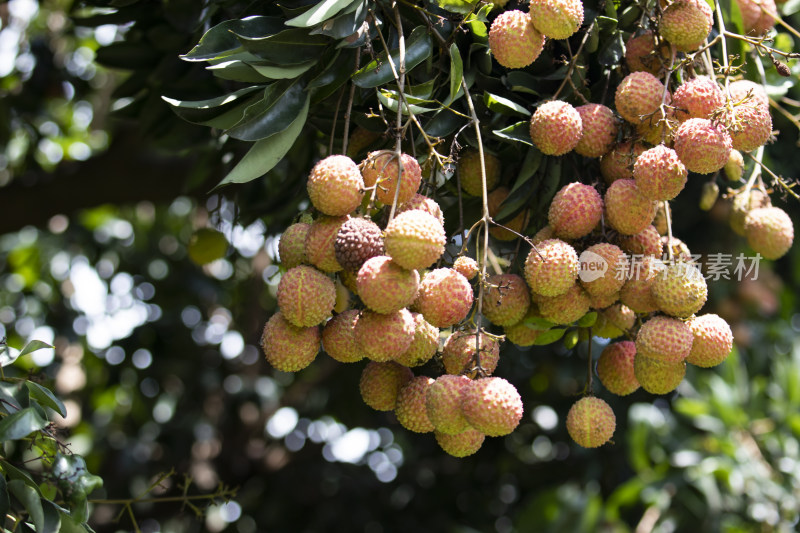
[[553, 269], [599, 130], [702, 146], [658, 128], [636, 292], [750, 127], [357, 240], [646, 242], [617, 164], [680, 290], [742, 205], [697, 98], [338, 337], [557, 19], [410, 408], [665, 339], [713, 340], [414, 239], [659, 173], [758, 16], [423, 203], [306, 296], [506, 299], [627, 210], [686, 24], [615, 368], [335, 185], [321, 240], [444, 298], [424, 345], [384, 286], [287, 347], [466, 266], [461, 445], [565, 308], [443, 403], [384, 337], [460, 347], [380, 384], [602, 301], [543, 234], [360, 139], [520, 334], [638, 95], [769, 231], [657, 376], [591, 422], [513, 40], [750, 92], [556, 128], [734, 168], [292, 245], [492, 406], [614, 321], [381, 168], [615, 262], [575, 211], [517, 223], [641, 55], [469, 171]]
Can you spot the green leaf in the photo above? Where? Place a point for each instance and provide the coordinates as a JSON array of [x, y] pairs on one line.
[[532, 162], [70, 525], [348, 22], [33, 346], [549, 336], [285, 72], [274, 113], [221, 41], [522, 82], [4, 501], [538, 324], [606, 23], [52, 517], [519, 132], [14, 473], [389, 99], [75, 480], [289, 47], [588, 320], [613, 51], [30, 500], [21, 424], [462, 7], [456, 72], [266, 153], [571, 339], [379, 72], [45, 396], [236, 70], [516, 202], [203, 111], [320, 12], [504, 106]]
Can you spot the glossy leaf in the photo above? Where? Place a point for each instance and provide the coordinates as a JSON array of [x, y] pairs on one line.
[[523, 82], [14, 473], [33, 346], [456, 72], [220, 41], [21, 424], [518, 132], [571, 339], [75, 480], [236, 71], [531, 164], [504, 106], [613, 51], [462, 7], [284, 72], [347, 23], [588, 320], [389, 99], [322, 11], [289, 47], [202, 111], [45, 396], [30, 500], [550, 336], [274, 113], [379, 72]]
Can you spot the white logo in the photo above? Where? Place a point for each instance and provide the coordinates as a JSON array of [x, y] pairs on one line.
[[593, 266]]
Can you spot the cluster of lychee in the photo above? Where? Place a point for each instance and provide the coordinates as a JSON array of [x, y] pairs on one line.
[[404, 303]]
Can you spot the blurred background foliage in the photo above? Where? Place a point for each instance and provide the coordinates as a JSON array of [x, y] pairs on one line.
[[157, 360]]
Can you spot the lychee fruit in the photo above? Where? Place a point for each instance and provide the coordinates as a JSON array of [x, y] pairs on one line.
[[713, 340], [636, 292], [702, 146], [461, 445], [384, 336], [380, 170], [517, 223], [520, 333], [557, 19], [659, 173], [443, 403], [423, 203], [734, 168], [748, 92], [614, 321], [360, 139], [335, 185], [657, 376], [591, 422], [423, 346], [506, 299], [321, 240], [306, 296], [469, 171], [708, 195], [513, 40], [338, 337], [575, 211], [743, 203], [639, 95], [617, 164], [646, 242], [565, 308], [750, 126], [492, 406], [599, 130], [384, 286], [680, 290], [627, 210], [603, 269], [460, 348], [357, 240], [769, 231], [410, 407], [551, 268], [686, 24], [556, 128], [665, 339], [287, 347], [615, 368], [414, 239], [659, 127], [380, 384], [641, 55], [601, 301], [697, 98], [444, 297], [758, 16], [466, 266], [292, 245]]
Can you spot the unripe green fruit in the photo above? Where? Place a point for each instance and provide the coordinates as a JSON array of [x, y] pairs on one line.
[[552, 268], [207, 245], [292, 245], [469, 171], [769, 231], [414, 239], [680, 290]]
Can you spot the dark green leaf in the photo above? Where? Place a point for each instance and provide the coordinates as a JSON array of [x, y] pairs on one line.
[[456, 72], [522, 82], [4, 502], [236, 71], [550, 336], [282, 73], [443, 123], [462, 7], [533, 159], [201, 111], [52, 517], [320, 12], [45, 396], [379, 72], [289, 47], [504, 106], [346, 24], [606, 23], [275, 112], [14, 473], [266, 153], [33, 346], [21, 424], [30, 500], [519, 132], [613, 51], [389, 99], [588, 320], [514, 203], [220, 41]]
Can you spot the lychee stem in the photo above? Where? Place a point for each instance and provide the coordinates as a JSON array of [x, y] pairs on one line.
[[573, 60], [349, 108]]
